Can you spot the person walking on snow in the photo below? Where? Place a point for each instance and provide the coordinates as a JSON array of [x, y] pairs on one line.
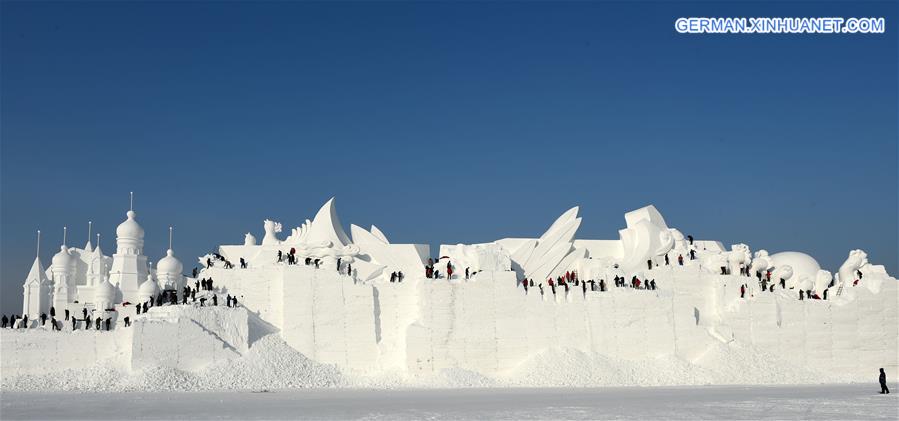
[[883, 382]]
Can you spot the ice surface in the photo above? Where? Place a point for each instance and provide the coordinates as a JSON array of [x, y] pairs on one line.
[[822, 402]]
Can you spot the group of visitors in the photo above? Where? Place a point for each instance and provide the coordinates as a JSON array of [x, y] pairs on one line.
[[291, 258], [21, 322], [570, 278], [226, 263], [99, 323]]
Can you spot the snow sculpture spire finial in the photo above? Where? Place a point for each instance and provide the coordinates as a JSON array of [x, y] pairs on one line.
[[98, 240], [170, 237], [131, 205], [38, 243], [64, 232], [89, 227]]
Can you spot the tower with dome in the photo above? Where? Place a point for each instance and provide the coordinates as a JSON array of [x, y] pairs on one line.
[[129, 265], [86, 278]]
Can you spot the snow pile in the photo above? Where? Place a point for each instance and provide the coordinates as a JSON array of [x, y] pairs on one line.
[[723, 364], [269, 364]]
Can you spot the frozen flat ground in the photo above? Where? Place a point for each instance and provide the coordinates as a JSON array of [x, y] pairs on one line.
[[840, 402]]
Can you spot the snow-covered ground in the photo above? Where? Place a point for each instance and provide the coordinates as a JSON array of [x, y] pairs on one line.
[[840, 402]]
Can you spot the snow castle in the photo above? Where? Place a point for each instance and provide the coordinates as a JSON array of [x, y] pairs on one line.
[[366, 305]]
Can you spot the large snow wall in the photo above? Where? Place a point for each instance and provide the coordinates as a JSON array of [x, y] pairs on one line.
[[490, 325], [183, 337]]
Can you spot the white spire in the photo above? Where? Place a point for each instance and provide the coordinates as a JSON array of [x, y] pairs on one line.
[[170, 237], [131, 206], [38, 243], [65, 231]]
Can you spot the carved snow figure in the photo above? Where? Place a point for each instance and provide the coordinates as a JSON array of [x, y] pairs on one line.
[[646, 236], [478, 257], [713, 262], [680, 242], [761, 263], [104, 295], [169, 271], [784, 272], [538, 259], [847, 273], [803, 266], [148, 290], [822, 281], [738, 256], [249, 240], [272, 229]]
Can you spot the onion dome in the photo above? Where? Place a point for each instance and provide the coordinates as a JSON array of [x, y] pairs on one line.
[[130, 228], [62, 260], [169, 264], [104, 293], [148, 289]]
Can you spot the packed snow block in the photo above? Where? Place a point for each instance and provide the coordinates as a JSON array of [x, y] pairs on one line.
[[874, 326], [662, 320], [297, 302], [890, 296], [792, 330], [259, 289], [630, 323], [359, 325], [819, 338], [328, 321], [230, 325], [418, 349], [41, 351], [844, 317], [183, 344], [397, 307], [599, 314], [738, 318], [541, 326], [685, 334], [763, 320]]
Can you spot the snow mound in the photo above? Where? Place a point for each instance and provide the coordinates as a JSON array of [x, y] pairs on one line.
[[269, 364]]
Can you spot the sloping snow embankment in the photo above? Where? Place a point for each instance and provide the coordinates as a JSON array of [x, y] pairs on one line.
[[271, 364]]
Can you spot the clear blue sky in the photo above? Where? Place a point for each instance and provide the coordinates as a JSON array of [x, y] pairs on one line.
[[442, 123]]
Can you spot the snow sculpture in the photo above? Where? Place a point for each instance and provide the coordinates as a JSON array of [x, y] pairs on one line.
[[738, 256], [784, 272], [478, 257], [407, 258], [538, 259], [129, 265], [646, 237], [249, 240], [36, 290], [326, 228], [377, 233], [803, 265], [822, 281], [680, 242], [169, 271], [272, 229], [713, 262], [761, 263], [148, 290], [104, 295], [848, 270], [62, 266]]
